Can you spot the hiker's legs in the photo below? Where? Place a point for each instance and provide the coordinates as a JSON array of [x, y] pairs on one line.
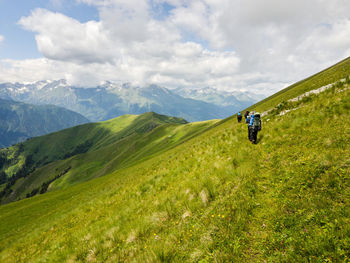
[[251, 131], [255, 134]]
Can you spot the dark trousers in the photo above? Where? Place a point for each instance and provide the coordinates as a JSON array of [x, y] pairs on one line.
[[239, 118], [254, 134], [250, 128]]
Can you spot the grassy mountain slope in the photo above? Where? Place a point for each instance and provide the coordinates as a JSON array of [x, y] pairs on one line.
[[19, 121], [87, 151], [214, 198]]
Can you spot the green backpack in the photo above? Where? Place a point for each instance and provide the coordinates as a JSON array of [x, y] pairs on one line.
[[257, 121]]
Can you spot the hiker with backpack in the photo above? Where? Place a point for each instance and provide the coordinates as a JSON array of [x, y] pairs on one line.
[[250, 125], [239, 117], [254, 127], [246, 115], [247, 118], [247, 121]]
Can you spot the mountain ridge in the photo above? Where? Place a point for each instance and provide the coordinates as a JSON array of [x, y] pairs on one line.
[[111, 100], [20, 121], [111, 144]]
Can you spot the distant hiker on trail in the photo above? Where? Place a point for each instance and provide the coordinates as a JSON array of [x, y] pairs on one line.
[[254, 126], [239, 117], [246, 115], [247, 119]]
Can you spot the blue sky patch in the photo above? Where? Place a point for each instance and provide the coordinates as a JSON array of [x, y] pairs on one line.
[[161, 11]]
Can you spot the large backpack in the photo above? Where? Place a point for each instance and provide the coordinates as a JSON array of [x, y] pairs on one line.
[[246, 114], [257, 122]]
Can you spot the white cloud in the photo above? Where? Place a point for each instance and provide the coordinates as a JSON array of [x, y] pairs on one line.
[[62, 38], [151, 53], [228, 44], [1, 39], [265, 34], [326, 39], [181, 70]]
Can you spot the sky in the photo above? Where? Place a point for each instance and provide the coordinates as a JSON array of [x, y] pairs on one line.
[[234, 45]]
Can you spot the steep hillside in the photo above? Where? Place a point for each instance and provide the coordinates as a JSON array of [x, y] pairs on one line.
[[78, 154], [20, 121], [111, 100], [213, 198]]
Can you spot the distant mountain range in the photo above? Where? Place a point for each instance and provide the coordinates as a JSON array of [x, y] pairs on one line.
[[111, 100], [19, 121], [233, 99]]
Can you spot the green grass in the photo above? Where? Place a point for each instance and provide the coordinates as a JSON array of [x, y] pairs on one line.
[[126, 140], [111, 145], [213, 198]]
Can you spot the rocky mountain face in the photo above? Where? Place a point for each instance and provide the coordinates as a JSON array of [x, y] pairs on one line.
[[111, 100], [19, 121]]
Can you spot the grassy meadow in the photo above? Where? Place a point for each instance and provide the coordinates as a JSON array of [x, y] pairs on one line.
[[195, 192], [214, 197], [82, 153]]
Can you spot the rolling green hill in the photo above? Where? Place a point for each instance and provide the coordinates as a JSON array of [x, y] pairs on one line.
[[20, 121], [87, 151], [212, 198]]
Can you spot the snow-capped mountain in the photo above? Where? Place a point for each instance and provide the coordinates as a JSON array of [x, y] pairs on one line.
[[111, 100]]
